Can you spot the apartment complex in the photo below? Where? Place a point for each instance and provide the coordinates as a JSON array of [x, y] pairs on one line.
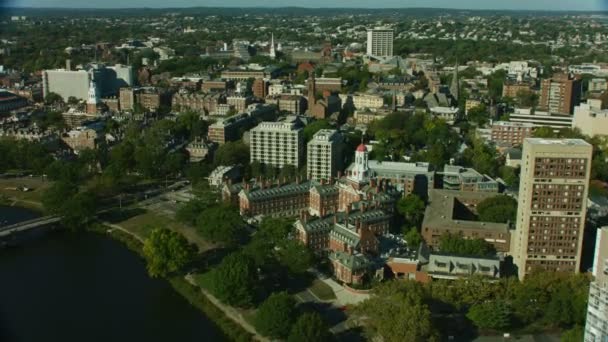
[[278, 143], [229, 129], [552, 205], [560, 94], [324, 158], [380, 42], [596, 327], [511, 133]]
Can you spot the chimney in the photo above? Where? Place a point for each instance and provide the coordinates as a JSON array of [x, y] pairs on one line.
[[68, 64], [339, 174], [335, 218]]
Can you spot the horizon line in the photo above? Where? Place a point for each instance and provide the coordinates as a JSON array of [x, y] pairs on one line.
[[306, 8]]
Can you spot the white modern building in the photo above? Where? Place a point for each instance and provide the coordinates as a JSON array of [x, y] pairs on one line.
[[380, 42], [591, 119], [278, 143], [75, 83], [324, 155], [596, 328]]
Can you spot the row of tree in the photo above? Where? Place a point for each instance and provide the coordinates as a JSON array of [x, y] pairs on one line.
[[411, 311]]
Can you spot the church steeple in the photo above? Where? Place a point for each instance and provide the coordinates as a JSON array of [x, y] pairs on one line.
[[273, 53], [455, 86]]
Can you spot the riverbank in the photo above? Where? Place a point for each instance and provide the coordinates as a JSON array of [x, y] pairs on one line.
[[195, 296]]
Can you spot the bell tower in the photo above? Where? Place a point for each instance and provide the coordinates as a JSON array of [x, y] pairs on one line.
[[93, 99]]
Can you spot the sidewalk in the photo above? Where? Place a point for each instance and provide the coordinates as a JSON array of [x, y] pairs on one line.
[[344, 297], [229, 311]]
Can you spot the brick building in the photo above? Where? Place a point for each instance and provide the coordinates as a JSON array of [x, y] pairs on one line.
[[453, 212], [511, 133]]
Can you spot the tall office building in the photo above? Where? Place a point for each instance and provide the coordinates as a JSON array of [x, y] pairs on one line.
[[278, 143], [380, 42], [596, 328], [75, 83], [324, 155], [560, 94], [552, 205]]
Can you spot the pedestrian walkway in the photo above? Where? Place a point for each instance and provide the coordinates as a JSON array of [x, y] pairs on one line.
[[229, 311], [343, 296]]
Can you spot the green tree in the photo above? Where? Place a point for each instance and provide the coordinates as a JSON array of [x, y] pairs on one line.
[[494, 315], [294, 256], [167, 252], [232, 153], [223, 224], [314, 127], [276, 315], [53, 99], [478, 115], [509, 175], [500, 209], [274, 230], [79, 210], [189, 212], [53, 198], [309, 328], [413, 238], [398, 312], [412, 208], [456, 244], [234, 280], [575, 334]]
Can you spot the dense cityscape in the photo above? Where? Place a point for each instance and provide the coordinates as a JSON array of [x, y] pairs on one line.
[[323, 174]]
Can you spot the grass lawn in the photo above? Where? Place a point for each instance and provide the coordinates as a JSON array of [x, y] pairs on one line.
[[322, 290], [144, 223], [8, 189]]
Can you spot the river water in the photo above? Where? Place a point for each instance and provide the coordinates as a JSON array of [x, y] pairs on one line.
[[87, 287]]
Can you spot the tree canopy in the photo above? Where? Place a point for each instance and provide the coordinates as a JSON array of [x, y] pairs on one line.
[[456, 244], [500, 209], [234, 280], [398, 312], [276, 315], [167, 252], [221, 223], [412, 208], [309, 328]]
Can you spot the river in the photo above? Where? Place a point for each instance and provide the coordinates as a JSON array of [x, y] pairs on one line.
[[87, 287]]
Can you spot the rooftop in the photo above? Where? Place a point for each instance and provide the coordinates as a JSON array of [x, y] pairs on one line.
[[439, 213], [562, 142]]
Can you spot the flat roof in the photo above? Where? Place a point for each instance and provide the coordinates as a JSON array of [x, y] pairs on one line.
[[563, 142], [439, 213]]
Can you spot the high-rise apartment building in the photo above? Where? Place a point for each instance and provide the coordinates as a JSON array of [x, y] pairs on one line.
[[560, 94], [380, 42], [551, 205], [278, 143], [596, 328], [324, 155]]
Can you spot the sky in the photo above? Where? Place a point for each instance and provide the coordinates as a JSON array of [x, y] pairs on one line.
[[582, 5]]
